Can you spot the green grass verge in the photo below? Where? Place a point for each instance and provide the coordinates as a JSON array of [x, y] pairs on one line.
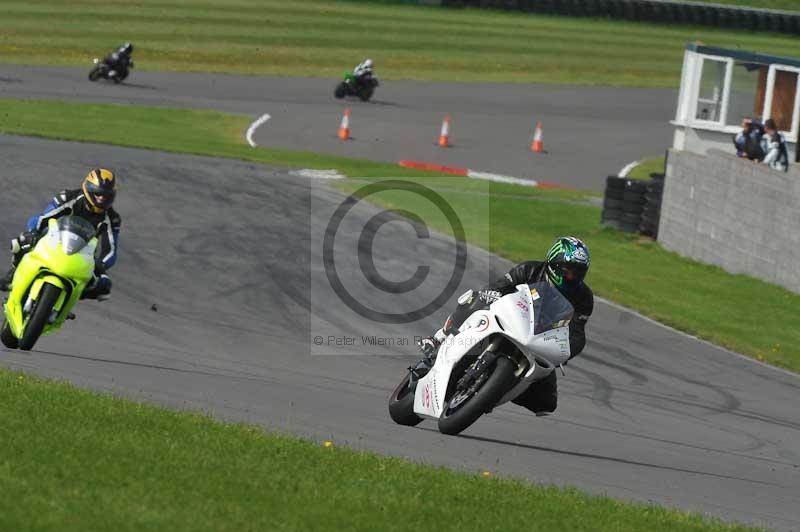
[[522, 222], [202, 133], [73, 461], [647, 167], [176, 130], [325, 38]]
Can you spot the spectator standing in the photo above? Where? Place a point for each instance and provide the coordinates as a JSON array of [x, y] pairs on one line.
[[748, 141], [774, 146]]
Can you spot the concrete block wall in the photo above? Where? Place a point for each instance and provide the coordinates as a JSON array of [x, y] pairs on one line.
[[730, 212]]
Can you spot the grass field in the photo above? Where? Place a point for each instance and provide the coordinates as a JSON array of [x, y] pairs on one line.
[[313, 38], [632, 271], [76, 461], [647, 167]]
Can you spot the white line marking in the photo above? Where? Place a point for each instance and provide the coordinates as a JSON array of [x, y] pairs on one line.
[[627, 169], [317, 174], [501, 178], [252, 129]]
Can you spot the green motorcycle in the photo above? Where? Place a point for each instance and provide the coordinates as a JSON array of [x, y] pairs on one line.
[[48, 281], [351, 86]]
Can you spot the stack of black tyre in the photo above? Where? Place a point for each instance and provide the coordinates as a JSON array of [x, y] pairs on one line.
[[651, 212], [633, 205]]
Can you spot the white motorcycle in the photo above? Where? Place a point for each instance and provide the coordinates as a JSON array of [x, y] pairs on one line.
[[499, 350]]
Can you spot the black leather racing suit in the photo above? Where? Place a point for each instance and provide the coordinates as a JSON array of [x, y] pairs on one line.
[[107, 225], [120, 62]]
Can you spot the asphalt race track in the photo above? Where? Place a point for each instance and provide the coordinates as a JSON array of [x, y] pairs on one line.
[[240, 292], [221, 291], [589, 132]]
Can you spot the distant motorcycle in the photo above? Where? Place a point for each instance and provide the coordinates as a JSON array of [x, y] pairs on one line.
[[103, 70], [352, 86]]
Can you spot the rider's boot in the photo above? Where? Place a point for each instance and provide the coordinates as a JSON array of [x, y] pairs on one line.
[[429, 346], [5, 281]]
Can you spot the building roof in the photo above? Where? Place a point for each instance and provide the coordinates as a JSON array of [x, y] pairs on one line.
[[741, 55]]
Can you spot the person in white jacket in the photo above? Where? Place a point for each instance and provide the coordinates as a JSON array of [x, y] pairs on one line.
[[774, 146]]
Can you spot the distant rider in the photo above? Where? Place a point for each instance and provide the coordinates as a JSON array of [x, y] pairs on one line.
[[91, 202], [364, 73], [120, 61], [565, 267]]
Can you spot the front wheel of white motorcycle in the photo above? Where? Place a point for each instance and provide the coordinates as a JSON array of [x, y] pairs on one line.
[[467, 405], [401, 404]]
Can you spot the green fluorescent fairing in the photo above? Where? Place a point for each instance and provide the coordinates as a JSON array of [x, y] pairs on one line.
[[47, 262]]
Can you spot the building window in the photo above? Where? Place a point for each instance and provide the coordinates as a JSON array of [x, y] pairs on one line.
[[784, 94], [712, 89], [748, 87]]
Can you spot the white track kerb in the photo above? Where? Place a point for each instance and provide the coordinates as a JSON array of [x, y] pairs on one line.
[[628, 168], [252, 129]]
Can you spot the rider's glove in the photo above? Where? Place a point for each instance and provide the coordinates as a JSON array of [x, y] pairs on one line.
[[24, 242], [428, 345], [489, 296]]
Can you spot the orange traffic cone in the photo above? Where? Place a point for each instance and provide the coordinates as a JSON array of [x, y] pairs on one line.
[[537, 146], [444, 136], [344, 127]]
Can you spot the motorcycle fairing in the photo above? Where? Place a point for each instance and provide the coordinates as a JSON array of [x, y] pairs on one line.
[[512, 316]]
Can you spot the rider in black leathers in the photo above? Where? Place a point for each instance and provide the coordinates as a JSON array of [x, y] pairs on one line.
[[120, 61], [364, 73], [565, 267], [92, 202]]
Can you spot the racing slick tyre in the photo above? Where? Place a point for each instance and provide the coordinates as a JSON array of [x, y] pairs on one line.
[[466, 406], [39, 316], [340, 91], [401, 404], [95, 73], [365, 95]]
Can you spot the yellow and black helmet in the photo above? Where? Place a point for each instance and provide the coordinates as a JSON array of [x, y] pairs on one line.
[[100, 189]]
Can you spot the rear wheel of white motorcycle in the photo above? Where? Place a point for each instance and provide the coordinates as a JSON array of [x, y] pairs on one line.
[[401, 404], [466, 406], [39, 316]]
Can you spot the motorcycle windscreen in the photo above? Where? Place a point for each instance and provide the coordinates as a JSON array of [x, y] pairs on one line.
[[551, 308], [74, 233]]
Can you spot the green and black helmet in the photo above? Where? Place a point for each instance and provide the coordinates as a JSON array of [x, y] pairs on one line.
[[567, 262]]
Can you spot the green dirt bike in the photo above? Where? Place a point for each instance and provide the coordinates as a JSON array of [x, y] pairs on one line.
[[48, 282], [351, 86]]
